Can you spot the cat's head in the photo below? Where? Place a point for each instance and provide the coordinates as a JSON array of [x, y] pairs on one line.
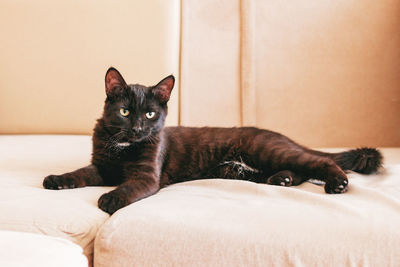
[[132, 112]]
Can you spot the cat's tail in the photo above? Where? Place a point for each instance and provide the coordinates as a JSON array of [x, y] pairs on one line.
[[362, 160]]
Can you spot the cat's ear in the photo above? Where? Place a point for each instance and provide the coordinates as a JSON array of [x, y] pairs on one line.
[[163, 89], [113, 80]]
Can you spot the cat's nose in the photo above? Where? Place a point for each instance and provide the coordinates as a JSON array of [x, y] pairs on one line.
[[137, 130]]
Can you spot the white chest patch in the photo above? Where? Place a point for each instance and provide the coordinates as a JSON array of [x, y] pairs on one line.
[[124, 144]]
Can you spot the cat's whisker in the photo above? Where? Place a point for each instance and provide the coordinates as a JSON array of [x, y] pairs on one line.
[[112, 143], [152, 140]]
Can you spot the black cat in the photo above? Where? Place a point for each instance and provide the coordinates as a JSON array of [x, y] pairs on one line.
[[132, 149]]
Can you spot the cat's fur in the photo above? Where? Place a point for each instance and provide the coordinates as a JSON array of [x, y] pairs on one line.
[[141, 156]]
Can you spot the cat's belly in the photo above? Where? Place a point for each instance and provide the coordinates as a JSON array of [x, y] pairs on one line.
[[230, 169], [238, 167]]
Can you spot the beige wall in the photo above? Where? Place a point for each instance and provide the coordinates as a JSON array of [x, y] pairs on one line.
[[326, 73], [54, 55]]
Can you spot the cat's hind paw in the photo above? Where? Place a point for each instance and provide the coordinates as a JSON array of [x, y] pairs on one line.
[[336, 186], [282, 178]]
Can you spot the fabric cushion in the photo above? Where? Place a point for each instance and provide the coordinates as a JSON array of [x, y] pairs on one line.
[[27, 249], [239, 223], [27, 207]]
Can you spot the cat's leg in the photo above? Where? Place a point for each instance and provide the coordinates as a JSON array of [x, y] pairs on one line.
[[88, 175], [127, 193], [324, 169], [317, 167], [141, 180], [286, 178], [275, 152]]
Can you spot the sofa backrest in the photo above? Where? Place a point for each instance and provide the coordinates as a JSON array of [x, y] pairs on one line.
[[325, 73]]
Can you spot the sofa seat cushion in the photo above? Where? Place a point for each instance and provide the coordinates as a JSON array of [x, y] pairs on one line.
[[26, 206], [239, 223], [19, 249]]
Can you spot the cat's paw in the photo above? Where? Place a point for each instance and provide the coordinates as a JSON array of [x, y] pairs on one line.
[[112, 201], [283, 178], [57, 182], [337, 185]]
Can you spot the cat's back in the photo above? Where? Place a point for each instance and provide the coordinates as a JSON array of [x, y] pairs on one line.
[[182, 139], [207, 135]]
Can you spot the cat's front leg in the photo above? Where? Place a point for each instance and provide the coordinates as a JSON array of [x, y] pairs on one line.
[[88, 175], [127, 193], [141, 182]]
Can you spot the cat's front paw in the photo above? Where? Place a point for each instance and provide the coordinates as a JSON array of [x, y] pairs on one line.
[[57, 182], [337, 185], [112, 201]]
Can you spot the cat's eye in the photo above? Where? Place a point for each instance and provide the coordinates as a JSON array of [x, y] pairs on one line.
[[124, 111], [150, 114]]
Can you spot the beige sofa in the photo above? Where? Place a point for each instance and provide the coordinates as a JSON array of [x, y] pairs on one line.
[[28, 249], [239, 223], [199, 223], [324, 73]]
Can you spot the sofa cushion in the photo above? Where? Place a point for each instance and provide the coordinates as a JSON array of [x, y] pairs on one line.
[[26, 249], [239, 223], [26, 206]]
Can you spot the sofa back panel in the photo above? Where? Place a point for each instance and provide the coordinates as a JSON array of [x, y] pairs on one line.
[[55, 54], [210, 63], [325, 73], [328, 72]]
